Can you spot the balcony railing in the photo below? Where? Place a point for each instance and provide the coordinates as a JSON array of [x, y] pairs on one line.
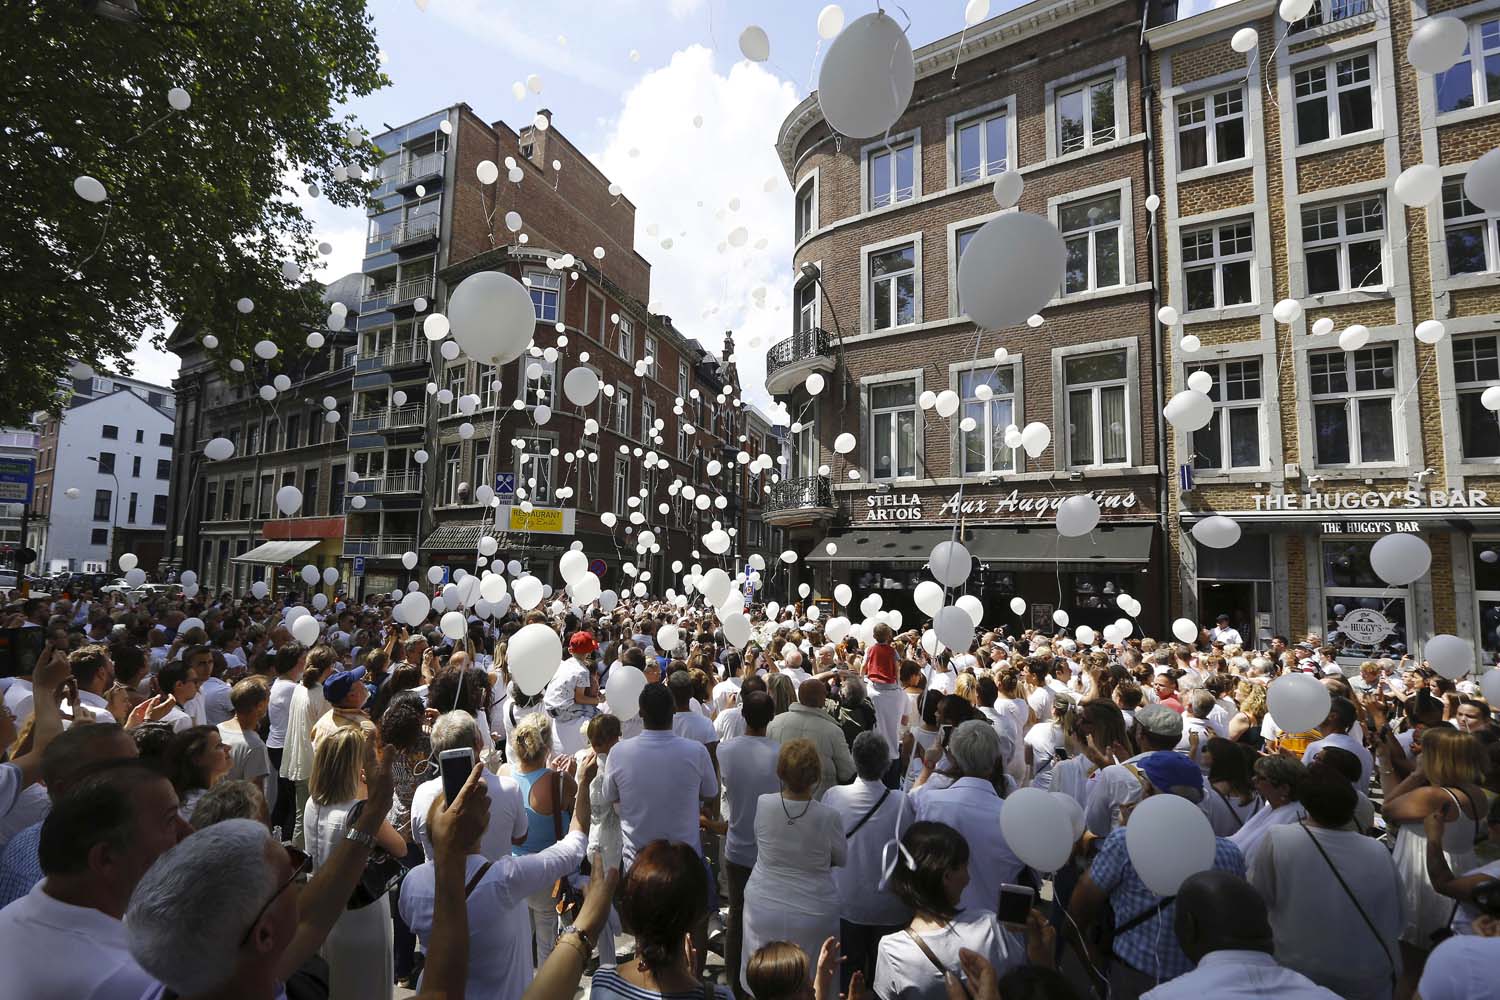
[[389, 419], [814, 342], [421, 228], [385, 296], [800, 494], [379, 545], [1328, 11], [392, 357], [422, 166], [390, 482]]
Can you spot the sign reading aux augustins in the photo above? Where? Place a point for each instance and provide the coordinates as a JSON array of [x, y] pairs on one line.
[[985, 504]]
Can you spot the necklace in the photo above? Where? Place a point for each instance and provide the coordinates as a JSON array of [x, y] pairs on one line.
[[790, 819]]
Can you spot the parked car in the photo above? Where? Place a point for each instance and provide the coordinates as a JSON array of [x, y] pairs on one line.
[[116, 586]]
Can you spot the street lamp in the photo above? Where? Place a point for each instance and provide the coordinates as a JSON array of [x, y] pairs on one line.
[[114, 514]]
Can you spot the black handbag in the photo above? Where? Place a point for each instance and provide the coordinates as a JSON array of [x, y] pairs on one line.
[[383, 872]]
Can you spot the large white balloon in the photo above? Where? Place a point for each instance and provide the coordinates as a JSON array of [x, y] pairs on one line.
[[1482, 182], [624, 691], [842, 594], [871, 605], [527, 592], [737, 628], [667, 638], [1189, 410], [454, 625], [128, 561], [492, 317], [289, 500], [830, 21], [1217, 532], [971, 606], [1011, 268], [1037, 829], [1400, 558], [573, 565], [135, 577], [1292, 11], [1077, 515], [534, 654], [754, 45], [954, 627], [1018, 605], [492, 587], [581, 386], [1035, 437], [1449, 655], [305, 630], [1297, 702], [89, 189], [950, 563], [1418, 185], [1168, 839], [218, 449], [414, 606], [716, 586], [867, 77], [844, 443], [259, 589], [928, 597], [1185, 629], [836, 628], [310, 575], [1437, 44]]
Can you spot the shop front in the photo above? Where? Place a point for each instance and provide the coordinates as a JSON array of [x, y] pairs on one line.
[[1010, 530], [534, 539]]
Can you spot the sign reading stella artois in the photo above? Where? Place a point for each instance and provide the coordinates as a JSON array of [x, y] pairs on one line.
[[984, 504], [1366, 627]]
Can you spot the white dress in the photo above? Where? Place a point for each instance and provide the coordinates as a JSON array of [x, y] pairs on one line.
[[791, 895], [360, 950], [1427, 911]]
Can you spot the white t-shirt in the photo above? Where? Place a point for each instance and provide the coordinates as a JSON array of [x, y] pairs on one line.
[[695, 727], [507, 815], [282, 690], [748, 766], [571, 676], [903, 971], [248, 759], [651, 808], [1041, 701], [1044, 738], [51, 950]]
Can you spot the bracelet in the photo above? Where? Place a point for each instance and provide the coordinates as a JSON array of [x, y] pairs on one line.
[[360, 837], [582, 944]]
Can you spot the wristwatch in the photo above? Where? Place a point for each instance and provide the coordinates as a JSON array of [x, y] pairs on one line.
[[360, 837], [588, 942]]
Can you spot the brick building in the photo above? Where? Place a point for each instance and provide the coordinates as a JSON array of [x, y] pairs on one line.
[[432, 224], [1277, 176], [1052, 90]]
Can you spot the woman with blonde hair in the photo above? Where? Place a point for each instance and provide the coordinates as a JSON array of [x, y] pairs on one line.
[[360, 950], [1244, 727], [782, 691], [967, 688], [791, 895], [545, 793]]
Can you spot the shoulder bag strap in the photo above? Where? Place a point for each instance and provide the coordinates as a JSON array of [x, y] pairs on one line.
[[866, 817], [557, 784], [1143, 916], [1229, 805], [941, 968], [469, 889], [1352, 898]]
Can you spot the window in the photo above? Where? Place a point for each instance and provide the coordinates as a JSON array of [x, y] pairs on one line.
[[595, 316], [622, 483], [1354, 402], [1092, 232], [1473, 81], [648, 417], [166, 441], [539, 389], [310, 492], [546, 287], [682, 380], [336, 481], [893, 430], [1211, 129], [961, 240], [457, 380], [891, 175], [265, 496], [486, 384], [627, 339], [135, 499], [247, 489], [989, 398], [1328, 11], [1086, 116], [99, 536], [622, 419], [1232, 438], [164, 468], [1335, 98], [293, 430], [893, 287], [135, 466], [806, 206], [140, 437], [1469, 232], [482, 476], [536, 468], [1350, 584], [807, 306], [106, 461], [111, 432], [1217, 262], [1096, 409], [981, 147], [159, 510], [252, 439], [1476, 367], [1342, 245], [1487, 594], [211, 501], [804, 452], [102, 500], [653, 350]]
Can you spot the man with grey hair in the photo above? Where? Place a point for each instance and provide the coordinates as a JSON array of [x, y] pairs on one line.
[[235, 799], [791, 664], [1120, 784], [1197, 730], [808, 720], [972, 806], [870, 814], [458, 730]]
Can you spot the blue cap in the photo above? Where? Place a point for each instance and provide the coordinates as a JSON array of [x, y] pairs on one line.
[[336, 686], [1173, 773]]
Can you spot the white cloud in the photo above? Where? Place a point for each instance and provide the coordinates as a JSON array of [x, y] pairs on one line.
[[682, 8], [683, 180], [533, 51]]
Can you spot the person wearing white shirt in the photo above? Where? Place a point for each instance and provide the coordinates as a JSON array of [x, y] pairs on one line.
[[1336, 733], [178, 682], [871, 814], [791, 665], [1222, 926], [508, 825], [572, 695], [289, 663], [1040, 697], [1225, 633], [1462, 967], [95, 673], [248, 758], [1196, 729]]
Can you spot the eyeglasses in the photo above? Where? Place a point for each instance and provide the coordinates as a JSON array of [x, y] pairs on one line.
[[300, 864]]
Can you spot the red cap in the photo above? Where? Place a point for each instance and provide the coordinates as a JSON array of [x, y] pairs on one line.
[[582, 642]]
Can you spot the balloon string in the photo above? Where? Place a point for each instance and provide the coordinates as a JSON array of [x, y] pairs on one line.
[[109, 212], [148, 128]]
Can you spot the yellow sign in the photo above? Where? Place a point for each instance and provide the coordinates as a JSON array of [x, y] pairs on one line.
[[540, 519]]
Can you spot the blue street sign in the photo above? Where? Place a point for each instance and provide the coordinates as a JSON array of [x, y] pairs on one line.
[[505, 485], [1185, 477], [16, 478], [359, 565]]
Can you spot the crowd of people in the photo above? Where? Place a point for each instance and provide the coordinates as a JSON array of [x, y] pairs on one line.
[[195, 804]]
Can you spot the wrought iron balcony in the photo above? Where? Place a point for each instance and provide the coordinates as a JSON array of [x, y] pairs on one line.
[[808, 497], [395, 356], [793, 359]]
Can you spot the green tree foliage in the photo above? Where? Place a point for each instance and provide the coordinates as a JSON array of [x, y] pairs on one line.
[[200, 212]]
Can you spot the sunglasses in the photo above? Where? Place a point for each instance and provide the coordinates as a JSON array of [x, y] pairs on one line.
[[301, 863]]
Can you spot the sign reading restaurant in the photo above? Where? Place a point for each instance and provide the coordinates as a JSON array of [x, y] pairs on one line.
[[985, 505], [1374, 500]]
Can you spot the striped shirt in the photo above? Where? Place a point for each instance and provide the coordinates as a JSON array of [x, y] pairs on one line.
[[608, 984]]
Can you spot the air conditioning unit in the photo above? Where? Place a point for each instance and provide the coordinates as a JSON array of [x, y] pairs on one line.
[[1292, 470]]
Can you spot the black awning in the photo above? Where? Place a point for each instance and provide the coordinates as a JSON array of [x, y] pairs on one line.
[[911, 545], [996, 545]]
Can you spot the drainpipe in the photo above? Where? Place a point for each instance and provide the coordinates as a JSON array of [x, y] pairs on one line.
[[1164, 476]]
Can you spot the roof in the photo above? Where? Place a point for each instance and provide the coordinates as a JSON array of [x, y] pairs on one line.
[[348, 290]]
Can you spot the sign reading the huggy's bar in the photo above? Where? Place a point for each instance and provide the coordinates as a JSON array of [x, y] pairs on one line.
[[989, 504], [1375, 500]]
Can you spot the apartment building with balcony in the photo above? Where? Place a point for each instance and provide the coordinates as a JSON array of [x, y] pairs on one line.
[[1277, 170], [223, 519], [1051, 90]]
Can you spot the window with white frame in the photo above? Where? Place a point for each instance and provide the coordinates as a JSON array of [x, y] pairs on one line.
[[892, 174], [893, 287], [588, 461], [1086, 115], [804, 452], [648, 417], [546, 288], [682, 380], [1486, 568], [457, 380], [1476, 367], [1335, 98], [981, 146], [961, 240], [622, 483], [989, 400], [1469, 232], [1328, 11], [682, 437], [807, 306], [1232, 438], [452, 474], [1097, 431], [535, 464], [1474, 79], [625, 333], [482, 475], [806, 206], [1211, 129], [1342, 243], [1354, 404], [538, 389], [1218, 265], [1094, 237], [893, 430], [488, 386], [622, 422], [653, 350]]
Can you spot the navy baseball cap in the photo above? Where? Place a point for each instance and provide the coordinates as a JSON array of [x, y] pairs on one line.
[[1174, 773], [336, 686]]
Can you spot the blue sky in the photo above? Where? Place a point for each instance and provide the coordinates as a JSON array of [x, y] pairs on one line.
[[658, 94]]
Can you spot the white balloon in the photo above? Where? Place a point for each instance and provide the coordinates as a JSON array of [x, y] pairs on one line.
[[950, 563], [581, 386], [259, 589], [1010, 269], [331, 576], [1437, 44], [667, 637], [974, 12], [1430, 331], [585, 590], [492, 587], [814, 384], [89, 189], [624, 691], [435, 327], [289, 500], [1244, 40], [1185, 629], [830, 21], [434, 574], [1292, 11], [415, 606], [219, 449], [1017, 606], [867, 77], [1482, 182], [1168, 839], [409, 559], [1297, 702], [1060, 617], [754, 45], [842, 594], [1037, 829], [1077, 515], [716, 585], [1449, 655], [1008, 188], [179, 99], [947, 403], [305, 630], [737, 628], [1200, 381], [971, 606], [128, 562], [1190, 344], [1167, 316], [836, 628], [1400, 558], [1354, 337], [1217, 532], [930, 643], [266, 349], [928, 597], [1287, 311], [871, 605], [1035, 437], [1490, 398], [1322, 327], [487, 172], [492, 317], [573, 565], [533, 655], [1189, 410], [954, 627], [527, 592], [454, 625], [1418, 185], [310, 575], [282, 383], [1489, 685]]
